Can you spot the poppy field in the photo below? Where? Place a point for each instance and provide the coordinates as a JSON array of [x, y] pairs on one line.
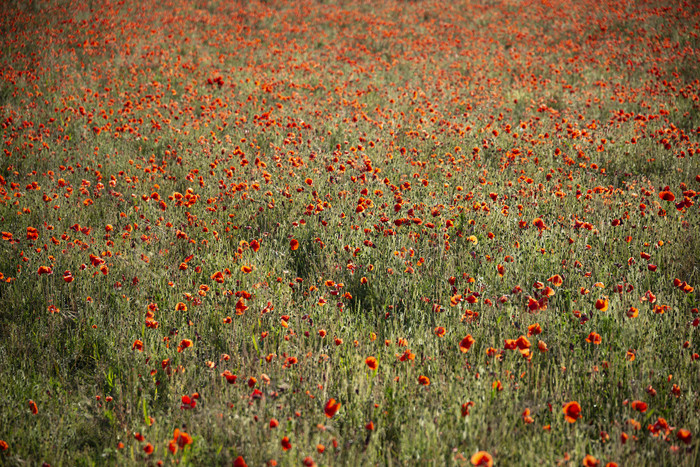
[[349, 232]]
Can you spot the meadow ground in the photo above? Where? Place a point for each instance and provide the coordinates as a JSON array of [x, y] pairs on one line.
[[349, 233]]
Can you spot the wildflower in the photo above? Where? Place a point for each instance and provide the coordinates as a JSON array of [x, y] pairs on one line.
[[286, 445], [482, 458], [331, 408], [572, 411], [602, 304], [371, 363], [466, 343]]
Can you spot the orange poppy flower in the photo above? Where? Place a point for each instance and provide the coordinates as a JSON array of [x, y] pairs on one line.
[[274, 423], [246, 269], [632, 312], [539, 223], [407, 355], [466, 343], [33, 407], [594, 338], [294, 244], [137, 345], [602, 304], [371, 363], [331, 408], [572, 411], [590, 461], [482, 458], [184, 343], [534, 329], [424, 380], [180, 307], [370, 426], [3, 445], [556, 280], [522, 343], [440, 331]]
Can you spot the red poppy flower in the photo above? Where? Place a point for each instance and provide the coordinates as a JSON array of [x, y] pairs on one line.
[[667, 195], [465, 408], [286, 445], [466, 343], [32, 233], [239, 462], [371, 363], [230, 377], [184, 343], [684, 435], [241, 307], [32, 406], [539, 223], [639, 406], [424, 380], [602, 304], [294, 244], [331, 408], [522, 343], [572, 411]]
